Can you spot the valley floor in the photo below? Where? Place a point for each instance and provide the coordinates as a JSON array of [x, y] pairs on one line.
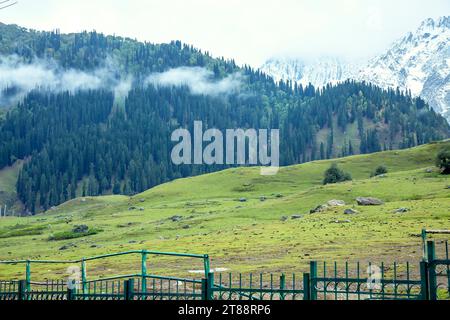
[[244, 220]]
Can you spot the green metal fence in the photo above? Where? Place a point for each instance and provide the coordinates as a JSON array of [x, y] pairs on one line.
[[438, 268], [324, 281], [334, 283]]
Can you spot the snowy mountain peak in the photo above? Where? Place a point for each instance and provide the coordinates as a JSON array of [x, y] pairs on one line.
[[419, 62]]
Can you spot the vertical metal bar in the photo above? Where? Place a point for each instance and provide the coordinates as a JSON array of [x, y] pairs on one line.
[[293, 287], [424, 292], [431, 256], [21, 294], [282, 285], [395, 279], [408, 279], [347, 283], [313, 279], [206, 265], [424, 243], [358, 277], [144, 271], [325, 284], [448, 268], [240, 286], [83, 276], [129, 288], [210, 286], [306, 287], [205, 289], [335, 281], [271, 286], [260, 286], [28, 275], [382, 284], [371, 286]]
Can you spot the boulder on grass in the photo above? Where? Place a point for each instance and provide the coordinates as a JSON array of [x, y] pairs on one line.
[[296, 216], [401, 210], [350, 211], [321, 208], [336, 203], [369, 201]]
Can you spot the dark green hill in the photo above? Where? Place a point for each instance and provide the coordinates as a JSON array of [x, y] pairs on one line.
[[89, 143]]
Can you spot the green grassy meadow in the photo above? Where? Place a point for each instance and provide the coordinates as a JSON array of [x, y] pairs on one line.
[[248, 236]]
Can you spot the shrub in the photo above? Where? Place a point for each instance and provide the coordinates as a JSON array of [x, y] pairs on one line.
[[379, 171], [443, 161], [335, 175]]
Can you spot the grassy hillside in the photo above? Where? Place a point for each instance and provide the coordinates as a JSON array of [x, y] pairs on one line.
[[8, 194], [248, 236]]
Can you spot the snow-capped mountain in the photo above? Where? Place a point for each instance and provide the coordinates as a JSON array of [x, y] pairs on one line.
[[319, 71], [419, 62]]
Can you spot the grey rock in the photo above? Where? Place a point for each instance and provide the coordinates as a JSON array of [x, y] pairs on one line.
[[262, 198], [401, 210], [336, 203], [350, 211], [321, 208], [176, 218], [296, 216], [369, 201], [186, 226], [243, 200], [284, 218]]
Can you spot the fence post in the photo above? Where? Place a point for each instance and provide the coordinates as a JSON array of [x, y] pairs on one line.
[[144, 271], [204, 289], [129, 289], [22, 290], [306, 287], [207, 287], [425, 295], [431, 256], [313, 279]]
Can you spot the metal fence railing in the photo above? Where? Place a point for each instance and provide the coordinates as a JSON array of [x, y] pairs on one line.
[[324, 281]]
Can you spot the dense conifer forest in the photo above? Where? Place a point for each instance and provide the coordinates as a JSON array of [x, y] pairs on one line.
[[94, 142]]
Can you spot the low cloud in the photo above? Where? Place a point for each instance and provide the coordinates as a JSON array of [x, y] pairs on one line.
[[20, 78], [17, 78], [199, 80]]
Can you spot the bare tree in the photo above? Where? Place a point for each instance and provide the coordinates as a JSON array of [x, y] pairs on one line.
[[7, 3]]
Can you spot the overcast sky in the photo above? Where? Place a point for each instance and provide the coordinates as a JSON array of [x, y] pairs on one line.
[[250, 31]]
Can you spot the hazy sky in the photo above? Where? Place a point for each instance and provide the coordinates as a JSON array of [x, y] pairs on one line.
[[250, 31]]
